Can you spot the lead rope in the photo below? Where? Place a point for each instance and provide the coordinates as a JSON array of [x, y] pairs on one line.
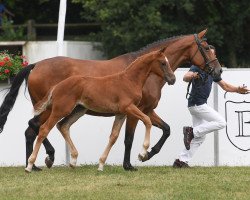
[[188, 88], [190, 82]]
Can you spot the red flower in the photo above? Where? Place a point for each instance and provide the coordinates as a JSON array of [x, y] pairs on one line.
[[6, 59], [2, 63], [25, 63], [6, 71]]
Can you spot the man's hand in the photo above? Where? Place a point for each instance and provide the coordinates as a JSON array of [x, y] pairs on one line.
[[243, 89], [195, 75]]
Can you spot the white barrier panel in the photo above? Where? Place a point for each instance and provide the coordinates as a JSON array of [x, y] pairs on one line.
[[234, 141]]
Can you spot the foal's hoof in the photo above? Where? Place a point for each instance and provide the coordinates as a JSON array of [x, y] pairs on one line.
[[72, 165], [143, 158], [129, 167], [37, 169], [28, 170], [100, 167], [48, 162]]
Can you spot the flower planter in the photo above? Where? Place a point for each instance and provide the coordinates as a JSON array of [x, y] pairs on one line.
[[7, 81], [10, 65]]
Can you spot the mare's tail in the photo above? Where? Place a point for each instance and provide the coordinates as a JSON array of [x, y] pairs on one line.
[[44, 103], [11, 96]]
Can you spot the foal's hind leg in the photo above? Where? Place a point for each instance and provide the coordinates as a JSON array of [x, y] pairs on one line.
[[64, 126], [117, 125], [134, 111], [158, 122]]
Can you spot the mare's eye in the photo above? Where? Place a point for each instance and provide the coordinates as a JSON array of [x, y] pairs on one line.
[[163, 63], [207, 48]]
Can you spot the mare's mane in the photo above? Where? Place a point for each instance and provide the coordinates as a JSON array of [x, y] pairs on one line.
[[147, 48]]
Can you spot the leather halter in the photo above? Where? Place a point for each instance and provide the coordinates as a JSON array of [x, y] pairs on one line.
[[208, 69]]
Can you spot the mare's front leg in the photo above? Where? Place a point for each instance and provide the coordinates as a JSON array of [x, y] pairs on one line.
[[134, 111], [131, 124], [30, 135], [158, 122], [117, 125]]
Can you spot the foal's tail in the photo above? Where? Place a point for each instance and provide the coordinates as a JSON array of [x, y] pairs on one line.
[[44, 103], [11, 96]]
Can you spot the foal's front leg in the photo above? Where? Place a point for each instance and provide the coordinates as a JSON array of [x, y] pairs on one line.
[[158, 122], [117, 125], [134, 111]]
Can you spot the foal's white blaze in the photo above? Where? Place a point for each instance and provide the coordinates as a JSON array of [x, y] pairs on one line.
[[167, 60]]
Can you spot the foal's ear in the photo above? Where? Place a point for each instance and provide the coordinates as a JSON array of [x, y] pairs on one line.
[[202, 33], [162, 50]]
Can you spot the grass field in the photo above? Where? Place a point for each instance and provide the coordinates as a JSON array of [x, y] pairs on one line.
[[85, 182]]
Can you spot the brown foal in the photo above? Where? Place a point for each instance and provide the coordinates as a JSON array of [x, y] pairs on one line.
[[119, 93]]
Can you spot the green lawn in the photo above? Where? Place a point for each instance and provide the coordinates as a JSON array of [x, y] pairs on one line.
[[85, 182]]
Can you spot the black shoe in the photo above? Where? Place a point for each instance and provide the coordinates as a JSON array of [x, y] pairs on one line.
[[188, 136], [180, 164]]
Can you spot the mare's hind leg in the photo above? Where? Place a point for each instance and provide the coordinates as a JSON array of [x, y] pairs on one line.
[[158, 122], [134, 111], [131, 124], [43, 133], [64, 125], [30, 135], [117, 125]]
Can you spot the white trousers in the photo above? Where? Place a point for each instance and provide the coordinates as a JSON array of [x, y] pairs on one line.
[[205, 120]]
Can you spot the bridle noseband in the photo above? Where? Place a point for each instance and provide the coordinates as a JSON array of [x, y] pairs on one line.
[[208, 69]]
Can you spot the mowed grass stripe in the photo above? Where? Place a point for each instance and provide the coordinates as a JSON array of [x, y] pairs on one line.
[[85, 182]]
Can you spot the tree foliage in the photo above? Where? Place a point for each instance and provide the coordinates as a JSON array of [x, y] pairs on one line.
[[129, 25], [42, 11]]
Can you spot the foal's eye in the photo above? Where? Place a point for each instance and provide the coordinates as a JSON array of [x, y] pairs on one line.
[[163, 63]]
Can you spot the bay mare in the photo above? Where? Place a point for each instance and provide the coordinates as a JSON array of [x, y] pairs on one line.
[[119, 93], [43, 75]]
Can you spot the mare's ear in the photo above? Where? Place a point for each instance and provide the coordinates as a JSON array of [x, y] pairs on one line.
[[202, 33], [162, 50]]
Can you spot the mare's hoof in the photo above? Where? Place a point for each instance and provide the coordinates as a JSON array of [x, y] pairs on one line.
[[48, 162], [129, 167], [143, 158], [37, 169]]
